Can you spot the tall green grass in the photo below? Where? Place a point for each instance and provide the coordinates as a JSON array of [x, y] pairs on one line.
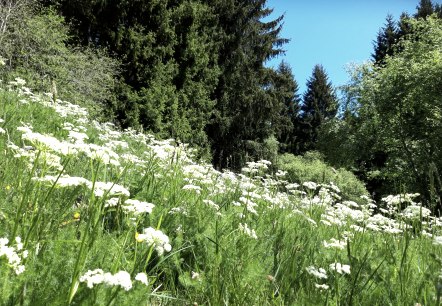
[[195, 236]]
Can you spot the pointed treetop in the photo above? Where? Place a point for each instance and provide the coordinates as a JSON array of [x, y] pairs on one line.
[[424, 9]]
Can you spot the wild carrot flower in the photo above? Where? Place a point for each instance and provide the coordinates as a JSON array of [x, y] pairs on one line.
[[310, 185], [137, 207], [191, 187], [437, 240], [97, 276], [142, 277], [336, 244], [318, 273], [340, 268], [13, 254], [322, 286], [244, 228], [154, 237]]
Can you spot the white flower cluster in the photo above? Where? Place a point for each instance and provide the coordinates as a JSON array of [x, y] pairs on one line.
[[340, 268], [195, 188], [109, 188], [335, 243], [14, 254], [414, 212], [322, 286], [100, 188], [393, 202], [137, 207], [245, 229], [210, 203], [310, 185], [19, 82], [121, 278], [154, 237], [75, 146], [318, 273], [255, 167]]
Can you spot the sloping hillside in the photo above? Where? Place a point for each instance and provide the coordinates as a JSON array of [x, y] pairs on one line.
[[95, 216]]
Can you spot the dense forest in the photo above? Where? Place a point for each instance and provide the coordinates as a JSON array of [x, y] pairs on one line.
[[195, 71]]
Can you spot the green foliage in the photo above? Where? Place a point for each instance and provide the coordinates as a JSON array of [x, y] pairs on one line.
[[395, 131], [311, 168], [286, 89], [247, 107], [34, 45], [319, 106], [385, 41], [249, 239], [169, 53]]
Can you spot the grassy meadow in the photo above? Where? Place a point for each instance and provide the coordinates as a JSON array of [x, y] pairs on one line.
[[91, 215]]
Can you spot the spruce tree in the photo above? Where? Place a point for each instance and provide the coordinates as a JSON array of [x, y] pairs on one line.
[[286, 89], [385, 41], [169, 50], [319, 105], [246, 112], [424, 9]]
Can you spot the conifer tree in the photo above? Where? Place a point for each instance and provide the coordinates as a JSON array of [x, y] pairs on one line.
[[286, 88], [319, 105], [169, 50], [386, 38], [246, 112], [424, 9]]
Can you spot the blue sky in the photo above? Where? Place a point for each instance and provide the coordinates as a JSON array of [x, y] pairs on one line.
[[332, 33]]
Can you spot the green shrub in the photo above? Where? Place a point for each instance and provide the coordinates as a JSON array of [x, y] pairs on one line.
[[311, 167], [35, 47]]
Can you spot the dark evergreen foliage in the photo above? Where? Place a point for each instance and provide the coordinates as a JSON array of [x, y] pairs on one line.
[[246, 113], [424, 9], [287, 89], [194, 70], [385, 41], [319, 105]]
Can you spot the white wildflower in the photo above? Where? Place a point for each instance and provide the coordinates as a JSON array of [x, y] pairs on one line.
[[122, 279], [195, 275], [281, 173], [97, 276], [211, 204], [310, 185], [77, 137], [100, 188], [154, 237], [322, 287], [340, 268], [292, 186], [178, 210], [137, 207], [142, 277], [244, 228], [437, 240], [413, 212], [191, 187], [334, 243], [13, 254], [318, 273], [112, 202]]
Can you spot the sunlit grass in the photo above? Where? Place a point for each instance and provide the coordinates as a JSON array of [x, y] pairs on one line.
[[95, 216]]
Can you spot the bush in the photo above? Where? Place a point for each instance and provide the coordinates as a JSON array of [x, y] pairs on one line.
[[35, 47], [311, 167]]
